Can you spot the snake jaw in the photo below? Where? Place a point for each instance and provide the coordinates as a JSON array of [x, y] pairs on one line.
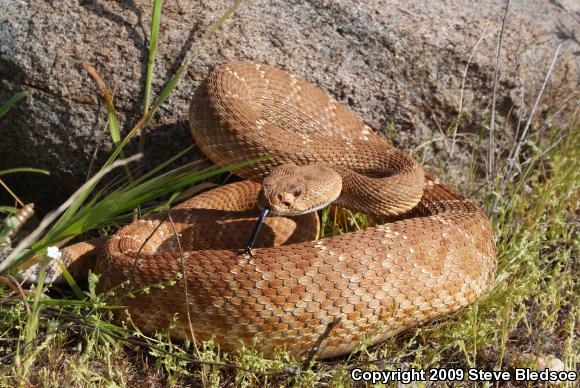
[[289, 213]]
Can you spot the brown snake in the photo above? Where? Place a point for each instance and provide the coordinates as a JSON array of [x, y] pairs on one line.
[[431, 252]]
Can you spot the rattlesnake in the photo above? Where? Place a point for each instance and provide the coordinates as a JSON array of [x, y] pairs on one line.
[[430, 253]]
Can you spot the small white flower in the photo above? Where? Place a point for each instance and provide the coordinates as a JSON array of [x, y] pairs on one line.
[[53, 253]]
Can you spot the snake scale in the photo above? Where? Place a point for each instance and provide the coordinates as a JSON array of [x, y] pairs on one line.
[[429, 254]]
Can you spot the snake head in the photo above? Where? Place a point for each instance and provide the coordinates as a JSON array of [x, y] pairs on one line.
[[292, 190]]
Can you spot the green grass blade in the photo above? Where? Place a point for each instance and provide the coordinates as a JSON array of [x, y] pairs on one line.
[[113, 125], [70, 280], [32, 321], [155, 21], [5, 107], [23, 169], [108, 96]]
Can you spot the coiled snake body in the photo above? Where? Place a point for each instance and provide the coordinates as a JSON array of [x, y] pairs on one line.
[[435, 255]]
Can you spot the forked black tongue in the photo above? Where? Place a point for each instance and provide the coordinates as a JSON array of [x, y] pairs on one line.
[[263, 213]]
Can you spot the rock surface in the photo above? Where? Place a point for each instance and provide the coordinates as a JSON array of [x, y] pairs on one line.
[[398, 63]]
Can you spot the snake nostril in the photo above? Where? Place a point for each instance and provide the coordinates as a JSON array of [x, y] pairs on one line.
[[287, 204], [279, 197]]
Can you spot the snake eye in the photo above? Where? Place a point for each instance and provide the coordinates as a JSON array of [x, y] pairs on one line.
[[297, 192]]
